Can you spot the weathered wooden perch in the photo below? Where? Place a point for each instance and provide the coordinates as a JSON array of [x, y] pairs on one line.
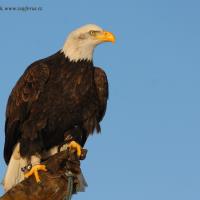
[[53, 184]]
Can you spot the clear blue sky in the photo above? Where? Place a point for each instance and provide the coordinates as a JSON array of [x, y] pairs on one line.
[[150, 142]]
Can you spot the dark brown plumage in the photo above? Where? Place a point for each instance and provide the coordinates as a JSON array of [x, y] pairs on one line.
[[54, 97]]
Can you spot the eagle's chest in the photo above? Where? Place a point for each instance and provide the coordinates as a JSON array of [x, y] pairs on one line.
[[73, 86]]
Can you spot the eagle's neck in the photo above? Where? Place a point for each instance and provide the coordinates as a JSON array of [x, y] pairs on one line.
[[76, 63], [77, 51]]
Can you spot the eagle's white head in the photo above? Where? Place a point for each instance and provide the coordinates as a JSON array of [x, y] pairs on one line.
[[81, 43]]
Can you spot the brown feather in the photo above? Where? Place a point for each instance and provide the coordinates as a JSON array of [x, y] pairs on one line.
[[53, 97]]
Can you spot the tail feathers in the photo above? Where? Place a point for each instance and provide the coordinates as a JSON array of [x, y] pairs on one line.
[[14, 174]]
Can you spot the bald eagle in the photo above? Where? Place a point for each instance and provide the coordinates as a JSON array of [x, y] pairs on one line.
[[61, 97]]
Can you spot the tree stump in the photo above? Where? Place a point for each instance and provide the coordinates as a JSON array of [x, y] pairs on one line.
[[53, 182]]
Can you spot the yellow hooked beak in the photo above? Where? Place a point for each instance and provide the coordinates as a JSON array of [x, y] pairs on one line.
[[106, 36]]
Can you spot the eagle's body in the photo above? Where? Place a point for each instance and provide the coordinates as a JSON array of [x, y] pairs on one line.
[[54, 97], [61, 97]]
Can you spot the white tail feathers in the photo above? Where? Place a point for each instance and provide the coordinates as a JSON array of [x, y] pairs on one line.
[[14, 174]]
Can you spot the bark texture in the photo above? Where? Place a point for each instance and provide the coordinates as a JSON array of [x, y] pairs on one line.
[[53, 184]]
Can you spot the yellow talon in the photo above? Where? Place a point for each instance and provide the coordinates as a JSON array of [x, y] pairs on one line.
[[75, 145], [34, 171]]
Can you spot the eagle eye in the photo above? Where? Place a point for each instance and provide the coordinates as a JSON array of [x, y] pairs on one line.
[[92, 33]]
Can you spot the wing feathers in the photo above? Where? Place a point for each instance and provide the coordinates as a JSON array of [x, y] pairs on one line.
[[26, 91], [102, 90]]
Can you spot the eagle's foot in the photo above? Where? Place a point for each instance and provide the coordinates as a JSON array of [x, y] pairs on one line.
[[34, 171], [76, 146]]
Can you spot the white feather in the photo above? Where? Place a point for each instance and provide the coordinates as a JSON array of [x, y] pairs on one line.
[[14, 174], [79, 45]]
